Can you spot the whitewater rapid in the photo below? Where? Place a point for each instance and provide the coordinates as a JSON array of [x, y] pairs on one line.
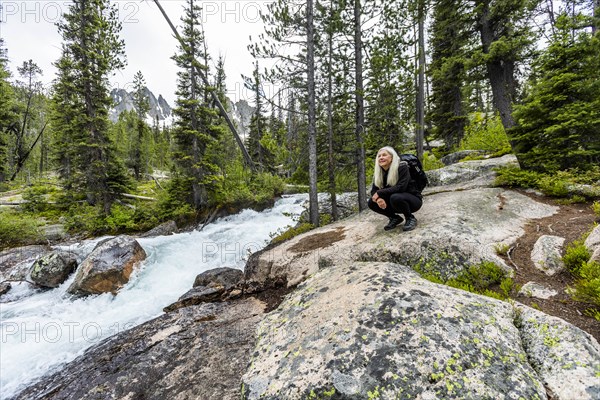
[[41, 331]]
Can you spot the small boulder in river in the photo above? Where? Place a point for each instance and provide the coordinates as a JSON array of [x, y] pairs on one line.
[[213, 285], [4, 288], [108, 267], [53, 269]]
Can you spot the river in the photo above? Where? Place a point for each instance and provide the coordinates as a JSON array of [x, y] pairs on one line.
[[43, 330]]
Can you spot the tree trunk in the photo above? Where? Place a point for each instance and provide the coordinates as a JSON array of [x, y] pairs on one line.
[[596, 16], [360, 110], [421, 83], [330, 154], [500, 72], [312, 126]]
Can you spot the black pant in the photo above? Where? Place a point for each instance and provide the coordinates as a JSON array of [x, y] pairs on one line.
[[398, 203]]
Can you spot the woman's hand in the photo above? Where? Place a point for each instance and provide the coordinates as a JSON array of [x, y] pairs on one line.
[[375, 197], [381, 203]]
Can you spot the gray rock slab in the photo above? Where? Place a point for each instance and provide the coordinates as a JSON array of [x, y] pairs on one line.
[[455, 157], [566, 358], [469, 171], [455, 229], [197, 352], [533, 289], [546, 254], [378, 330], [592, 242]]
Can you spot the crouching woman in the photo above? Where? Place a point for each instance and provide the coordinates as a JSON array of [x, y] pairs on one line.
[[393, 191]]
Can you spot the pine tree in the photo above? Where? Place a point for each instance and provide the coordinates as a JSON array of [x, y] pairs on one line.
[[558, 124], [91, 51], [258, 126], [32, 122], [8, 116], [139, 160], [196, 124], [449, 37], [506, 39]]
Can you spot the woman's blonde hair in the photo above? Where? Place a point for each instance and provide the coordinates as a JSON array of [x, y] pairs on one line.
[[392, 176]]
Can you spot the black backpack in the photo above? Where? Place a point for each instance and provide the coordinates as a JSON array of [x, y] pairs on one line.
[[417, 174]]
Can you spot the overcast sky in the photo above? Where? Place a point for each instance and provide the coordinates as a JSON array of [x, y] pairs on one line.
[[29, 32]]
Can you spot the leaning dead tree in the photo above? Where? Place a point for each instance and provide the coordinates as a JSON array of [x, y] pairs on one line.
[[214, 96]]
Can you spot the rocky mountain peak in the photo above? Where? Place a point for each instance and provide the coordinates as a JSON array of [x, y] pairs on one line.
[[159, 108]]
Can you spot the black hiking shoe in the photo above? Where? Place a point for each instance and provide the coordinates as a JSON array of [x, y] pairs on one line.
[[411, 223], [394, 222]]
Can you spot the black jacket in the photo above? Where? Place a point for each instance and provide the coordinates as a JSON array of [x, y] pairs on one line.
[[404, 184]]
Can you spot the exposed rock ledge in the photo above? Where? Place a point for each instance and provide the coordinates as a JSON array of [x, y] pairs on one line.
[[455, 229], [378, 330]]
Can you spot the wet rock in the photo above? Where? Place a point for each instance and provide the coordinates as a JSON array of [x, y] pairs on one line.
[[455, 229], [4, 288], [546, 254], [225, 278], [15, 263], [566, 358], [532, 289], [53, 269], [477, 173], [214, 285], [593, 244], [108, 267], [163, 229], [453, 158], [197, 352], [364, 330]]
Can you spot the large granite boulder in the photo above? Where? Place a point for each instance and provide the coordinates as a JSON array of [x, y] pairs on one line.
[[566, 358], [53, 269], [455, 229], [377, 330], [108, 267], [197, 352], [476, 173]]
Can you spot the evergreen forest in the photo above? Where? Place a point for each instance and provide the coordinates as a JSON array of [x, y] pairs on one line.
[[426, 77]]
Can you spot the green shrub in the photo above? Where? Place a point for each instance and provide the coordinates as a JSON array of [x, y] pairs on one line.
[[554, 183], [36, 199], [553, 186], [485, 133], [596, 208], [479, 278], [587, 288], [292, 232], [576, 254], [18, 229], [430, 161], [515, 177], [501, 249]]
